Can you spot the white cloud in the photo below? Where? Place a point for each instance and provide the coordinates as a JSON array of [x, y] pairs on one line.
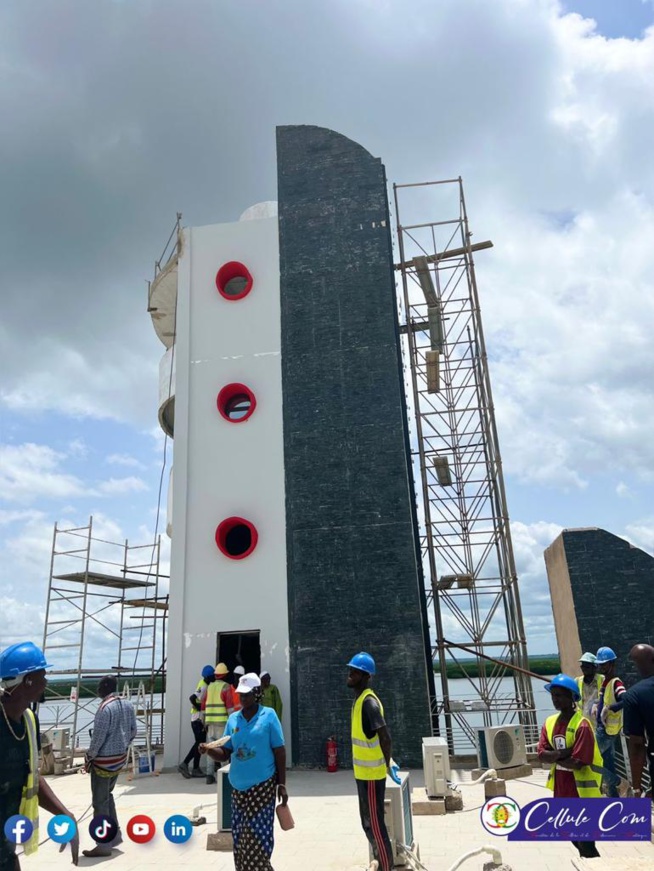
[[29, 472], [641, 533], [529, 542], [124, 460], [119, 486]]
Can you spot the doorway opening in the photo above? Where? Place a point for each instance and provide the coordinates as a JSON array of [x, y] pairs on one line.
[[240, 648]]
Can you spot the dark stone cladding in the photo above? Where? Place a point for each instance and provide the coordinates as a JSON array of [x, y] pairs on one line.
[[613, 592], [354, 580]]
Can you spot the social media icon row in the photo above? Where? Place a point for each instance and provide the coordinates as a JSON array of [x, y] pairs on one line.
[[141, 829], [62, 829]]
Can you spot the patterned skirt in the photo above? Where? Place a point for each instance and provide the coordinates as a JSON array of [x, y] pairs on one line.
[[253, 825]]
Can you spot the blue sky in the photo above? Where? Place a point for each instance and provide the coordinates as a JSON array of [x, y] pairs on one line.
[[615, 18], [122, 121]]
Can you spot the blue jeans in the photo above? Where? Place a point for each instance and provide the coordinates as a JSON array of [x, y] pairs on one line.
[[606, 744]]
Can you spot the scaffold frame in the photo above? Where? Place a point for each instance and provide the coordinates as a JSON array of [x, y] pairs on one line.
[[470, 574], [101, 593]]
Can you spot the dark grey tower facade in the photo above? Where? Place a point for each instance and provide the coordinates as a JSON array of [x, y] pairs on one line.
[[602, 590], [354, 576]]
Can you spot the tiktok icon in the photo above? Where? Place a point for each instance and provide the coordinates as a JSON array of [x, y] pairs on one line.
[[103, 829]]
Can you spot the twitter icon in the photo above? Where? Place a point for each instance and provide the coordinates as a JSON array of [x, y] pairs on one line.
[[62, 829]]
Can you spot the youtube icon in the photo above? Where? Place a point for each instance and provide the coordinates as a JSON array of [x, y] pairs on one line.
[[141, 829]]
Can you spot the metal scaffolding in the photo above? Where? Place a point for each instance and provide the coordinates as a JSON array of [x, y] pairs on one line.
[[465, 537], [94, 586]]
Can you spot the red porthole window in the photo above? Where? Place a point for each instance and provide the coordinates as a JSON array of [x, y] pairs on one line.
[[236, 403], [234, 281], [236, 538]]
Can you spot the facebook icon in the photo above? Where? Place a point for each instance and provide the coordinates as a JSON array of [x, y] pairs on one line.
[[18, 829], [178, 829]]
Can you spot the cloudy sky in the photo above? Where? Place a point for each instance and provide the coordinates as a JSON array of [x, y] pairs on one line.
[[119, 113]]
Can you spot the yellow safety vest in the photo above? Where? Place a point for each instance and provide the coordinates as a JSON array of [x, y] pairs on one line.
[[613, 723], [367, 757], [215, 710], [198, 690], [29, 802], [588, 778]]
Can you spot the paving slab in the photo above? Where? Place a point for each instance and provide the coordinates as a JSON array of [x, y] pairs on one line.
[[327, 834]]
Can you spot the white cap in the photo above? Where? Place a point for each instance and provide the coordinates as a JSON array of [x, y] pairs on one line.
[[239, 670], [248, 683], [264, 674]]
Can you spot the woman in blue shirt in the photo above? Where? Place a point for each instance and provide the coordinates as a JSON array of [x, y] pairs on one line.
[[253, 743]]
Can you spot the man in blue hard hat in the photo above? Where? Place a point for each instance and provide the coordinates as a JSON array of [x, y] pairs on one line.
[[589, 684], [609, 716], [568, 744], [197, 723], [371, 757], [22, 791]]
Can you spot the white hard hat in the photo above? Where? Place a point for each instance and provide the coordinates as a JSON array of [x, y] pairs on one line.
[[239, 670], [248, 683]]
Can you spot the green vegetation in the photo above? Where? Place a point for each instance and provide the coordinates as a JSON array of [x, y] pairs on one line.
[[545, 665], [60, 689]]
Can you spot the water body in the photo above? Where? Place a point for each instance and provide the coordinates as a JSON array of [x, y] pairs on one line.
[[57, 714]]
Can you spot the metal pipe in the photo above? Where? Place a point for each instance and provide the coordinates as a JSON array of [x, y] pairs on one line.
[[476, 653]]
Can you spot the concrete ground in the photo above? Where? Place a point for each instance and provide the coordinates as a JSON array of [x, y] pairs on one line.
[[327, 836]]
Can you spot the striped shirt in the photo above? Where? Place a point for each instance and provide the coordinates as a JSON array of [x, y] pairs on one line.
[[114, 729]]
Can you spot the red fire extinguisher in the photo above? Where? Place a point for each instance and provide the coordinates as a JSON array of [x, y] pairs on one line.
[[332, 754]]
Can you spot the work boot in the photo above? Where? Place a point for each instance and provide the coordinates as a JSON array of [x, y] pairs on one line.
[[210, 779], [198, 772], [97, 852], [183, 769]]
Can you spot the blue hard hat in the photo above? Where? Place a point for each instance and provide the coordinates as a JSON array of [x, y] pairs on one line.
[[22, 658], [364, 662], [207, 671], [565, 682], [605, 654]]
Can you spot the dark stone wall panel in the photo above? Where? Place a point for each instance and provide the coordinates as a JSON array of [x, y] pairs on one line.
[[353, 568], [613, 591]]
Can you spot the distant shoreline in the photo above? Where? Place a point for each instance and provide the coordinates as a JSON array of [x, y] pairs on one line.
[[543, 665]]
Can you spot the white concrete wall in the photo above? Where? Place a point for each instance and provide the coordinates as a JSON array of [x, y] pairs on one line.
[[224, 469]]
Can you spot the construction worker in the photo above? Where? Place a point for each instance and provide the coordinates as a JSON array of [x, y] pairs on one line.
[[114, 729], [237, 674], [197, 700], [22, 791], [218, 706], [609, 717], [589, 684], [371, 757], [568, 743], [270, 695], [639, 718]]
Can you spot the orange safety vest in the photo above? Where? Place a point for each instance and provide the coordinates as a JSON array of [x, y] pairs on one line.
[[236, 700]]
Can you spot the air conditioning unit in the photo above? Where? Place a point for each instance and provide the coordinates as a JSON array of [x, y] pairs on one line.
[[436, 766], [224, 799], [501, 747], [398, 817], [58, 738]]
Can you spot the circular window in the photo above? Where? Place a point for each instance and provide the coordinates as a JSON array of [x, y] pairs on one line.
[[236, 403], [236, 538], [234, 281]]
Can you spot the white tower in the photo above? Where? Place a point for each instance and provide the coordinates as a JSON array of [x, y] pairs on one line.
[[220, 302]]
